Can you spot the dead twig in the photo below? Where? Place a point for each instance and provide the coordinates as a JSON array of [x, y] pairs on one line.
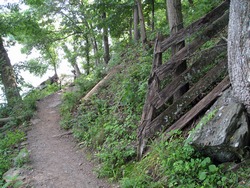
[[63, 134]]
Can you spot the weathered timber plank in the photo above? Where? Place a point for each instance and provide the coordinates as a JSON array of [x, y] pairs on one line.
[[199, 107], [183, 54], [206, 59], [153, 85], [170, 114], [195, 26], [148, 109]]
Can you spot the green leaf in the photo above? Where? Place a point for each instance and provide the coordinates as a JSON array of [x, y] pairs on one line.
[[202, 176], [212, 168], [205, 161]]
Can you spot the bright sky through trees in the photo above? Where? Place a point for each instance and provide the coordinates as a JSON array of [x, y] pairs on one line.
[[15, 55]]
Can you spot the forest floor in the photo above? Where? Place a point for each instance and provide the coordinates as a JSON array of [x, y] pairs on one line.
[[56, 159]]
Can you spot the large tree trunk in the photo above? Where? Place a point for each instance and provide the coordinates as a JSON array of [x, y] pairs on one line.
[[239, 51], [8, 77], [142, 23], [175, 20], [136, 23], [105, 41]]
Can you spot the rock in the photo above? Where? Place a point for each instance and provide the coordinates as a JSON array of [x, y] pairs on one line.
[[16, 177], [223, 133], [11, 173], [35, 121], [21, 158]]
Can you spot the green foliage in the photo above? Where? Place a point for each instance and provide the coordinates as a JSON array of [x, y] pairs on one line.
[[198, 9], [28, 105], [71, 99], [175, 164], [113, 137], [34, 66], [9, 151], [13, 181], [8, 143]]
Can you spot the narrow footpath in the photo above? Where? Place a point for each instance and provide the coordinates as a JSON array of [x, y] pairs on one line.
[[56, 160]]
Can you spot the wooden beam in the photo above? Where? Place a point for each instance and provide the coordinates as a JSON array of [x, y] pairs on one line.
[[199, 107], [100, 84], [195, 26], [149, 110], [175, 61], [177, 108], [206, 59]]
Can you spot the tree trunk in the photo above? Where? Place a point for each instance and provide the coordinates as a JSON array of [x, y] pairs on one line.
[[142, 23], [153, 15], [8, 78], [77, 70], [136, 23], [87, 51], [93, 40], [175, 20], [239, 51], [105, 41], [130, 29], [95, 46]]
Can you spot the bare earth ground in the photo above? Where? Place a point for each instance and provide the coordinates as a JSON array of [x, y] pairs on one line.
[[56, 160]]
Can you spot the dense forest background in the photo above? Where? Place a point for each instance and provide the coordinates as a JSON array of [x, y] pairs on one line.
[[114, 41]]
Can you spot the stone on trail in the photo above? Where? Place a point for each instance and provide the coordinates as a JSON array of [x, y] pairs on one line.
[[225, 135]]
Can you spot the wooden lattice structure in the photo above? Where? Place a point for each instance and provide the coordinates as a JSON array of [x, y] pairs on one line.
[[161, 115]]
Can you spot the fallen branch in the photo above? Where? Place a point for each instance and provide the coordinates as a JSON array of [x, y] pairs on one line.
[[100, 84], [3, 120], [63, 134]]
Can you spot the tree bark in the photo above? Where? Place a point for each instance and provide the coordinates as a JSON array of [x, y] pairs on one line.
[[105, 41], [175, 20], [87, 53], [93, 39], [136, 23], [142, 23], [8, 78], [239, 51], [153, 15], [95, 46], [77, 70]]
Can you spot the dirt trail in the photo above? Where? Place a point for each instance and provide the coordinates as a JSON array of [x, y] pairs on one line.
[[56, 161]]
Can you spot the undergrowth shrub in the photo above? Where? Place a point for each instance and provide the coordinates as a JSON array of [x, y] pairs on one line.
[[107, 122], [11, 133], [173, 163], [72, 99], [8, 144]]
